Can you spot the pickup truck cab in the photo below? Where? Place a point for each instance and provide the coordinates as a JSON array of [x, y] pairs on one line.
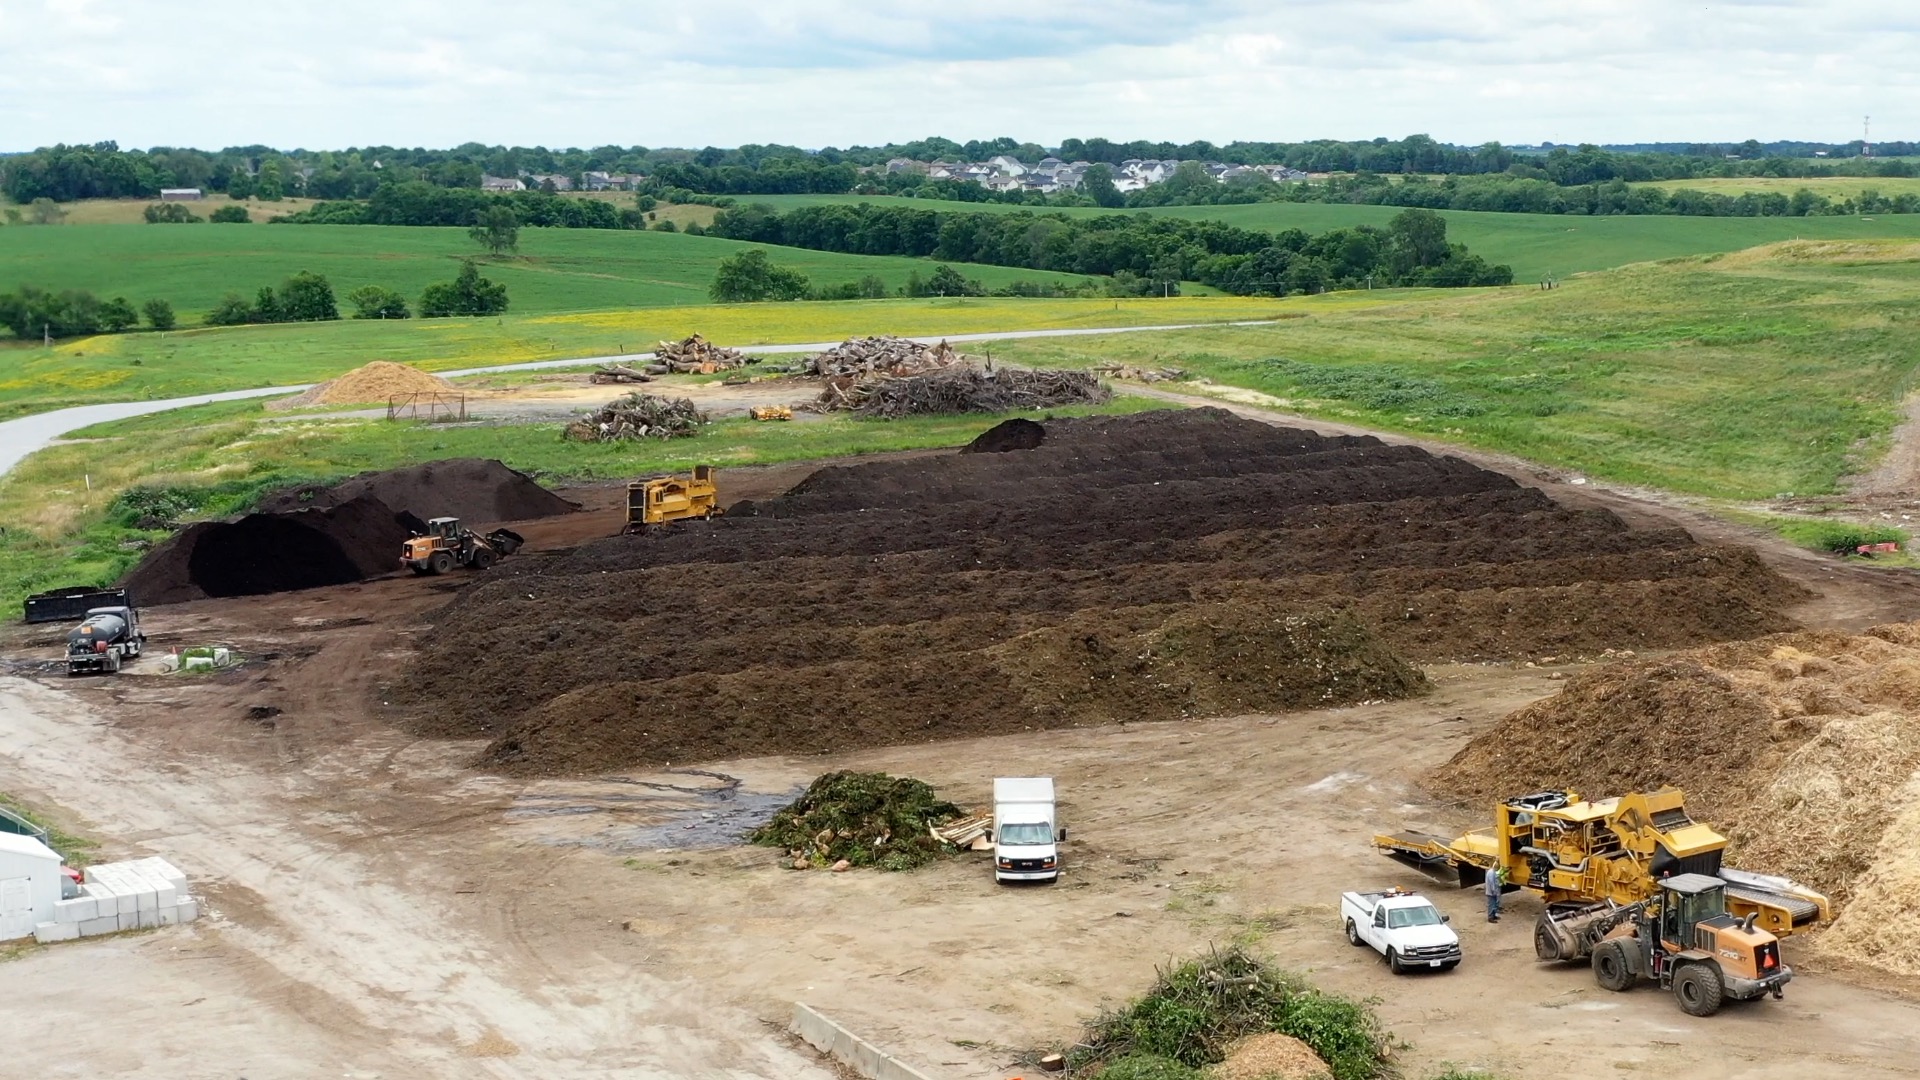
[[1403, 927]]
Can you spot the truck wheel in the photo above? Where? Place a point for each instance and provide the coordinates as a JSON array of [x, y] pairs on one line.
[[1611, 968], [482, 558], [440, 563], [1699, 989], [1393, 963], [1353, 935]]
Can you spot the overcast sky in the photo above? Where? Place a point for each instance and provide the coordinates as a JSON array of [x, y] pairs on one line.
[[337, 73]]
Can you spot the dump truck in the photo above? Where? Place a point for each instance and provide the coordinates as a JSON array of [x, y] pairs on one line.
[[108, 638], [1607, 865], [447, 544], [666, 499]]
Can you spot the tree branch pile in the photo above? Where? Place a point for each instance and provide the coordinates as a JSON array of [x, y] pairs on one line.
[[959, 390], [857, 357], [1147, 375], [638, 416]]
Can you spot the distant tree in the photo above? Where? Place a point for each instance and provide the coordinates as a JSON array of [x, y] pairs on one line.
[[496, 229], [873, 287], [1097, 184], [466, 294], [645, 203], [307, 297], [915, 286], [231, 214], [377, 302], [31, 312], [664, 226], [117, 314], [266, 306], [946, 281], [269, 186], [240, 185], [1419, 240], [159, 314], [170, 213], [233, 310], [750, 276], [12, 215], [45, 211], [694, 228]]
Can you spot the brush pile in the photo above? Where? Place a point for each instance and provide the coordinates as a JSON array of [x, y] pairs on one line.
[[864, 819], [1137, 374], [696, 355], [956, 390], [861, 357], [1205, 1011], [639, 416]]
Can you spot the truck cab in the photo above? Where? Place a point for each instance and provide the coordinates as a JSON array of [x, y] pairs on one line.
[[1026, 829], [1404, 927]]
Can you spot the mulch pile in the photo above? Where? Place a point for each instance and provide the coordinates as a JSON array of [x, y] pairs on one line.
[[379, 381], [1803, 748], [1151, 567], [866, 819], [310, 536]]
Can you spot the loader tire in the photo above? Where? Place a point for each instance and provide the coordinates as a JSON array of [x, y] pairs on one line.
[[1699, 990], [1611, 967], [1546, 943], [1353, 935], [440, 563], [482, 558]]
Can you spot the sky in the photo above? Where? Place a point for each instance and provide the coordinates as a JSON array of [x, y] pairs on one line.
[[559, 73]]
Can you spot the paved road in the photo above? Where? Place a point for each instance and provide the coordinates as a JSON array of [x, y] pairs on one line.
[[21, 437]]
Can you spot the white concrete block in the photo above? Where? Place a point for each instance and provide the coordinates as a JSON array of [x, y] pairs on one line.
[[49, 932], [170, 663], [76, 910], [129, 920], [221, 657], [187, 910], [197, 663], [95, 889], [109, 924], [144, 919]]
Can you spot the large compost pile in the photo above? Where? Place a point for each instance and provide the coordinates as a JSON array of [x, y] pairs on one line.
[[1803, 748], [1152, 567], [310, 536], [379, 381], [866, 819]]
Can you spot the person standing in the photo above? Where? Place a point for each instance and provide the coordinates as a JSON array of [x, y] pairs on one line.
[[1496, 879]]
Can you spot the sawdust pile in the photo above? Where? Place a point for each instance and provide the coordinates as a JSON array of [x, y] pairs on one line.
[[380, 381], [1803, 748], [1271, 1056]]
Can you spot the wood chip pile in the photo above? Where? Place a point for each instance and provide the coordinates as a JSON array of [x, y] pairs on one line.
[[638, 416], [959, 390], [697, 356], [857, 357]]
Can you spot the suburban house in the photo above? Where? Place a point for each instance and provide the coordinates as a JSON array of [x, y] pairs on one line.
[[605, 181], [181, 194], [560, 183], [501, 183]]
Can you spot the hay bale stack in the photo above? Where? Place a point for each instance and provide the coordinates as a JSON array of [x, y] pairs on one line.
[[380, 381]]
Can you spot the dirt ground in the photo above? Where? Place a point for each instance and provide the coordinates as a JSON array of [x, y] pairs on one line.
[[377, 909], [564, 396]]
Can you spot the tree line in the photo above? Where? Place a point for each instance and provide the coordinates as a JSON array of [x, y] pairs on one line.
[[1412, 250]]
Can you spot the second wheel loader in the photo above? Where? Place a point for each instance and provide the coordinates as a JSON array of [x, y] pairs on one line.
[[446, 544]]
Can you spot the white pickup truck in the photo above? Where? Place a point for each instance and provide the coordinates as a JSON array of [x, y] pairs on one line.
[[1404, 927]]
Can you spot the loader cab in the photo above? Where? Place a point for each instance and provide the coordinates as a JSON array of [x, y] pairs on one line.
[[446, 528], [1691, 905]]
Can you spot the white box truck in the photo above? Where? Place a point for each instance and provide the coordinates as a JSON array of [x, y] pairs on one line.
[[1026, 829]]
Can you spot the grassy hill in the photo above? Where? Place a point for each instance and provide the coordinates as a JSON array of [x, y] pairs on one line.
[[1535, 245], [193, 266], [1833, 187]]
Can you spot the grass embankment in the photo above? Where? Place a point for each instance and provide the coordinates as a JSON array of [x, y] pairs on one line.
[[75, 849], [1535, 245], [65, 526], [1740, 377], [146, 366], [193, 266]]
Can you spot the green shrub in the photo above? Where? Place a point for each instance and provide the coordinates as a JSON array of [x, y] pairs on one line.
[[1839, 537], [1147, 1067], [1375, 387], [232, 214]]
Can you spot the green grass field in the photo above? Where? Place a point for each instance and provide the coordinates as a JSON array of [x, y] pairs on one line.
[[193, 266], [1535, 245], [145, 366], [1833, 187]]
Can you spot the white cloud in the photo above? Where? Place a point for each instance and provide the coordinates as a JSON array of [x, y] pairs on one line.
[[723, 72]]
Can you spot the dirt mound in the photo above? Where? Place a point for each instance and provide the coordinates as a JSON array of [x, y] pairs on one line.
[[1015, 434], [1153, 567], [1803, 748], [867, 819], [265, 553], [379, 381], [476, 490]]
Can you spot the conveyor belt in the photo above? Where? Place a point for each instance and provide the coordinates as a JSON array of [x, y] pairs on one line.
[[1801, 911]]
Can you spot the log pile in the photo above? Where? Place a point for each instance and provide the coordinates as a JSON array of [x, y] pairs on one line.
[[959, 390], [1136, 374], [696, 355], [620, 373], [867, 356], [638, 416]]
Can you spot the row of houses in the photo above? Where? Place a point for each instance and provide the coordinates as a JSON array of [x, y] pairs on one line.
[[589, 181], [1004, 172]]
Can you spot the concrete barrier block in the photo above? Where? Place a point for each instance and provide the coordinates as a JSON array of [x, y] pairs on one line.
[[170, 663], [49, 932], [79, 909], [109, 924], [187, 909], [146, 918], [197, 663], [832, 1039]]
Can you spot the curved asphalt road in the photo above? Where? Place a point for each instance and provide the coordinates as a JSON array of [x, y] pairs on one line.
[[21, 437]]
